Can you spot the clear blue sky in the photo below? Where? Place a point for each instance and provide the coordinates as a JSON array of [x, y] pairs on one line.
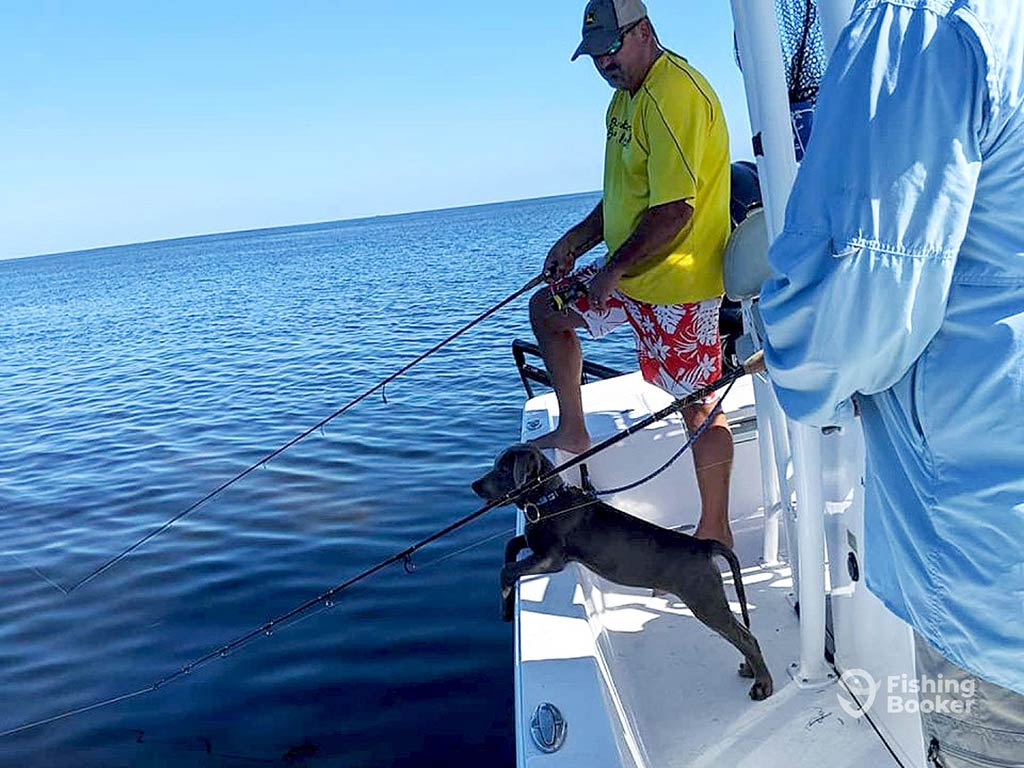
[[129, 121]]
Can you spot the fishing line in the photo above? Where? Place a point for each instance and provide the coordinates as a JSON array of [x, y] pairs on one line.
[[201, 745], [325, 600], [318, 426], [25, 564], [705, 425], [474, 545]]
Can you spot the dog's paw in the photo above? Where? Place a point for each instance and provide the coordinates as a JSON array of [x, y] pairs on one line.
[[762, 689], [508, 577], [746, 670]]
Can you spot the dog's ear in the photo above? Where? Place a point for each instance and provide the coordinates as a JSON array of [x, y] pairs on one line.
[[528, 464]]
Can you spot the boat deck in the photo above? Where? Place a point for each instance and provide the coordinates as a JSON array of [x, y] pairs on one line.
[[639, 681]]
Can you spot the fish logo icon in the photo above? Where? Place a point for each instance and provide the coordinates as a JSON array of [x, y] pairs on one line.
[[860, 693]]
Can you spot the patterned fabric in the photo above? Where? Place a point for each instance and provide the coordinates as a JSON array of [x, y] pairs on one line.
[[677, 344]]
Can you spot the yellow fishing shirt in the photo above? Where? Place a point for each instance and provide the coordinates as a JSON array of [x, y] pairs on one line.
[[669, 142]]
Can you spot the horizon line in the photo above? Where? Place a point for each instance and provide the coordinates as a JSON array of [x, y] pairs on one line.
[[271, 228]]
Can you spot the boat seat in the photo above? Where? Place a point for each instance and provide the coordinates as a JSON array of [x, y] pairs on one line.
[[745, 263]]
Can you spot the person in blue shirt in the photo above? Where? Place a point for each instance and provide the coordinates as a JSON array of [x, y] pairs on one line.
[[899, 283]]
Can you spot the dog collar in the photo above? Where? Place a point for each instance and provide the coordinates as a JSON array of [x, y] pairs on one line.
[[533, 508]]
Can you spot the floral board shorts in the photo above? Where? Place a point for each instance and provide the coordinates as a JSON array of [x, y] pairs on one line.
[[677, 345]]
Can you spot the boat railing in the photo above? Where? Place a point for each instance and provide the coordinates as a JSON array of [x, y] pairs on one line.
[[533, 373]]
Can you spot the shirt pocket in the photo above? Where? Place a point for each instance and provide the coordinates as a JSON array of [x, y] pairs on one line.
[[918, 396], [903, 408]]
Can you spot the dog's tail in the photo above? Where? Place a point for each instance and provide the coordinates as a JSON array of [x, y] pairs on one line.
[[718, 548]]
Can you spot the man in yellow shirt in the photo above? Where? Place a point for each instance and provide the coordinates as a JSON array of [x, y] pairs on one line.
[[665, 219]]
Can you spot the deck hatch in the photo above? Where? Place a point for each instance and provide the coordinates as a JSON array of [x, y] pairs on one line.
[[548, 728]]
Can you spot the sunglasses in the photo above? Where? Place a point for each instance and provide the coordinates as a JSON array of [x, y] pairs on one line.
[[617, 45]]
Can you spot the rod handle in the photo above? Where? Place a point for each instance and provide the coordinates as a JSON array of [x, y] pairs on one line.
[[755, 363]]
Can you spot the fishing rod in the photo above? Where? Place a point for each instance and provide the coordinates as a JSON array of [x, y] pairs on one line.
[[326, 599], [533, 283], [693, 438]]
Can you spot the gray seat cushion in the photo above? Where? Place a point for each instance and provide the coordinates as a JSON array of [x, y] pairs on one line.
[[745, 265]]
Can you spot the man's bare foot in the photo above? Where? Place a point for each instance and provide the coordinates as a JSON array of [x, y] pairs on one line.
[[573, 442], [724, 535]]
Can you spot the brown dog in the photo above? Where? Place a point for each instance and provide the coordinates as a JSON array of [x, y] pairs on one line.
[[564, 524]]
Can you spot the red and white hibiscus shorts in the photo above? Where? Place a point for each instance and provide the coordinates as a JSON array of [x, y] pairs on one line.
[[677, 345]]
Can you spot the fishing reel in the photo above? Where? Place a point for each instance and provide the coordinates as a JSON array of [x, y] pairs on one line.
[[568, 295]]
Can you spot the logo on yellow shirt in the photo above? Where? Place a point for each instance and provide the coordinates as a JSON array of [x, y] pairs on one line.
[[620, 131]]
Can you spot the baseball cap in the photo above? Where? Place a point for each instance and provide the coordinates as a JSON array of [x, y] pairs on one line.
[[602, 21]]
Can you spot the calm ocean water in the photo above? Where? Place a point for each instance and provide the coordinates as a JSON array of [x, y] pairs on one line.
[[133, 380]]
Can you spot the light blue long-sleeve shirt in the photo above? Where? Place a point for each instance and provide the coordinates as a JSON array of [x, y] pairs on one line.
[[900, 278]]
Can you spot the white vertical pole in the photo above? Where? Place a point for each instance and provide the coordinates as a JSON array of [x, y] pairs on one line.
[[771, 491], [833, 15], [811, 669], [771, 421], [764, 75]]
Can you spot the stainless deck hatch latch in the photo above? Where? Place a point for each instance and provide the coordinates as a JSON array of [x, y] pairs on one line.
[[548, 728]]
